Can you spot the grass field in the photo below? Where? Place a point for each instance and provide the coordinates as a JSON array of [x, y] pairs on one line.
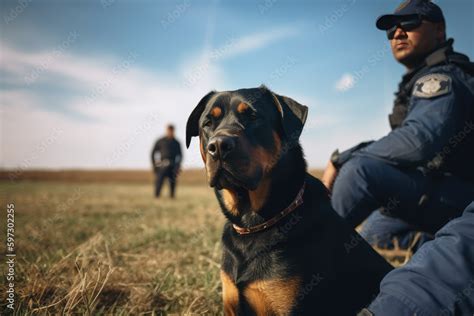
[[91, 248], [87, 245]]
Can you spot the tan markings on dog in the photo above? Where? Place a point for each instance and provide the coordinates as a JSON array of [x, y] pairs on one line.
[[242, 107], [263, 157], [272, 297], [268, 159], [216, 112], [277, 104], [230, 295], [230, 201], [201, 149], [277, 141], [208, 169], [258, 196]]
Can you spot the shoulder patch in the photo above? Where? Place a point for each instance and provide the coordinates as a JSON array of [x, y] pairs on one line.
[[432, 85]]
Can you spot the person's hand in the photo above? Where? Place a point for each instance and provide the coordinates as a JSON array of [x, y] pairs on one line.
[[329, 175]]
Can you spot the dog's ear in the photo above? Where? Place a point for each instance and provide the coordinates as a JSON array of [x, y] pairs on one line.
[[293, 115], [192, 126]]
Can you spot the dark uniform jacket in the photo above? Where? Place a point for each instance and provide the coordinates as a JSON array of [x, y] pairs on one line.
[[433, 119], [438, 280], [169, 151]]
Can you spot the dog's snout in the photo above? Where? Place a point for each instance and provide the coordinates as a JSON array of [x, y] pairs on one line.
[[220, 147]]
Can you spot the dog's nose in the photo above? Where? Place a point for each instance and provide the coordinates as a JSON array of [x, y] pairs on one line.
[[220, 147]]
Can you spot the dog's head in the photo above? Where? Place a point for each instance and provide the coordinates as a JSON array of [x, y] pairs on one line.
[[243, 134]]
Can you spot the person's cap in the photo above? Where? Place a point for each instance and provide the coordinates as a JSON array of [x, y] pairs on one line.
[[426, 9]]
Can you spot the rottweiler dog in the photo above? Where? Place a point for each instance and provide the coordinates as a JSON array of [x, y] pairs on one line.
[[285, 250]]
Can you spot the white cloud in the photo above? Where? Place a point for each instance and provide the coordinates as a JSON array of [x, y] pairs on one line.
[[346, 82], [196, 70], [257, 40], [126, 106], [127, 110], [318, 144]]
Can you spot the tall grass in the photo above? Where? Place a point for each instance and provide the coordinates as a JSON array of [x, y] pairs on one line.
[[109, 247]]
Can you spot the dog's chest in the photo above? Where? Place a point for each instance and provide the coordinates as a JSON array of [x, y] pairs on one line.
[[261, 285], [273, 296]]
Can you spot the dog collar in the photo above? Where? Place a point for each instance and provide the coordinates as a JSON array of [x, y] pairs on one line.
[[272, 221]]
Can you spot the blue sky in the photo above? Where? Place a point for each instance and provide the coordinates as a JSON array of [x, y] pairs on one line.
[[91, 84]]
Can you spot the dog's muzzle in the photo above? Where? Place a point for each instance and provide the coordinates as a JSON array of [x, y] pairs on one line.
[[220, 147]]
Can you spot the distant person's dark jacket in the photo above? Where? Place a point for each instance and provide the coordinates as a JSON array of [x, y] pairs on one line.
[[169, 152]]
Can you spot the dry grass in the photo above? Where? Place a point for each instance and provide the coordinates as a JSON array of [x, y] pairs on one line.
[[398, 256], [108, 247], [188, 176], [113, 249]]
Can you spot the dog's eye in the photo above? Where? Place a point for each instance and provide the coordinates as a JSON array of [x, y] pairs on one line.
[[253, 116], [207, 123]]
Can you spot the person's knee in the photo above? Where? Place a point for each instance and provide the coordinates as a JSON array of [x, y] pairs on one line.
[[355, 192], [360, 172]]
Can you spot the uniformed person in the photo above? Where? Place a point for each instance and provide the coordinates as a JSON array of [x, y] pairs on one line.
[[166, 160], [439, 278], [421, 174]]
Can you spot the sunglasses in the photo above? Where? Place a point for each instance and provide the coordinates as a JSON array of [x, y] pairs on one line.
[[406, 26]]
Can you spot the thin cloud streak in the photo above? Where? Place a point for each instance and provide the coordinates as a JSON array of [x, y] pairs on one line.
[[259, 40], [117, 94]]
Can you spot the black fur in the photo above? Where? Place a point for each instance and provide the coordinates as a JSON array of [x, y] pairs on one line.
[[340, 272]]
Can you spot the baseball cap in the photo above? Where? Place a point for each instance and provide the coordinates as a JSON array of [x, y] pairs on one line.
[[426, 9]]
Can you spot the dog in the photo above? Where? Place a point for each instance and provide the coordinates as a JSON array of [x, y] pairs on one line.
[[285, 250]]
